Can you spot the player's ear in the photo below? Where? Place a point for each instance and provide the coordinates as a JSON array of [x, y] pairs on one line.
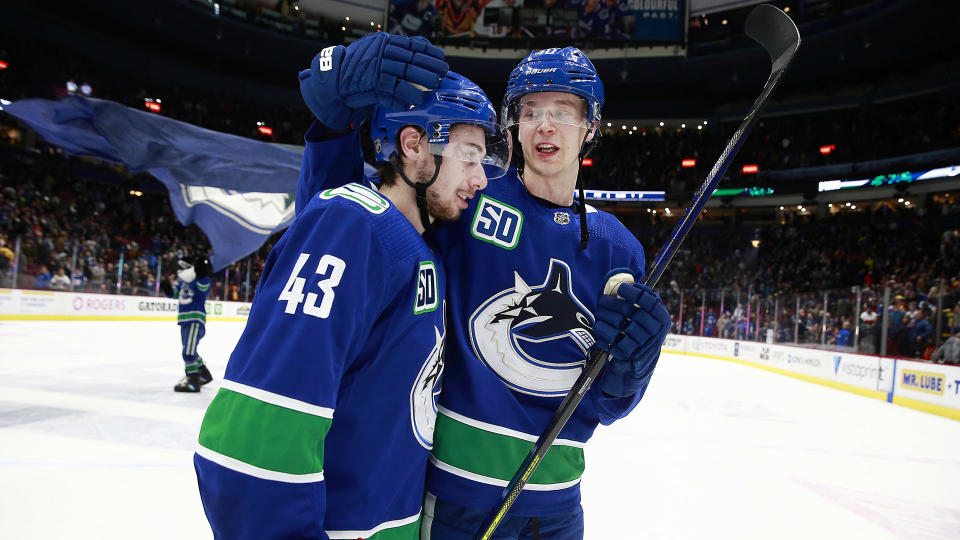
[[409, 142], [592, 131]]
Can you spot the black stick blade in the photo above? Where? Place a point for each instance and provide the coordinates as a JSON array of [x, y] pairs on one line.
[[775, 32]]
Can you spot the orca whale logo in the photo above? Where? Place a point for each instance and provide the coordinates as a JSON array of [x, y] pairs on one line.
[[505, 328], [426, 390]]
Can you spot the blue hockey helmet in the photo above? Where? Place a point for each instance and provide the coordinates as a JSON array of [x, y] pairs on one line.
[[555, 70], [457, 100]]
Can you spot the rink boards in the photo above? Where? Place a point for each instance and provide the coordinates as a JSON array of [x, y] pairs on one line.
[[926, 386], [23, 305], [930, 387]]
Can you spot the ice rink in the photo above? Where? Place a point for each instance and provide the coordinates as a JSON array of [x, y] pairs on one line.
[[94, 444]]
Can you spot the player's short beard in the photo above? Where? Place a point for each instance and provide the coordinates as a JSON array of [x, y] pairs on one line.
[[435, 204]]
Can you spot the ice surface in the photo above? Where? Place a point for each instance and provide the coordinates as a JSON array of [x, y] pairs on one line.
[[94, 444]]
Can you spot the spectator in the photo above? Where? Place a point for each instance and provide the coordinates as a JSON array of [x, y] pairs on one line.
[[43, 278], [918, 334], [843, 335], [61, 281], [949, 352]]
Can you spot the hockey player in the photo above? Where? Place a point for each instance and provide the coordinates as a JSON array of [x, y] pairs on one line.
[[527, 265], [191, 289], [324, 421]]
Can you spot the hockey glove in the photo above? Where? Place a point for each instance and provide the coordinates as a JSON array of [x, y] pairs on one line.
[[166, 287], [344, 83], [631, 327]]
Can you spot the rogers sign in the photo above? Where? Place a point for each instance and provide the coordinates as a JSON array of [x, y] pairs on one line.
[[92, 303]]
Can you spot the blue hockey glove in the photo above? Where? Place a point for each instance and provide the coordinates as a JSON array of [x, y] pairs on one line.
[[631, 327], [344, 83]]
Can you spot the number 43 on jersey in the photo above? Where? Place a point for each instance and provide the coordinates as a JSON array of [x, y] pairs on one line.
[[292, 293]]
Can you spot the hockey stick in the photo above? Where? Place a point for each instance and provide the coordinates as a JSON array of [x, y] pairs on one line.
[[778, 35]]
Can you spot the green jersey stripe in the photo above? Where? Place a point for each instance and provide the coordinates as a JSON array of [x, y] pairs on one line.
[[399, 529], [502, 430], [495, 455], [264, 435], [257, 472]]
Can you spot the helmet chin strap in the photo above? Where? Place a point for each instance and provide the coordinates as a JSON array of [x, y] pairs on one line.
[[421, 190], [585, 149]]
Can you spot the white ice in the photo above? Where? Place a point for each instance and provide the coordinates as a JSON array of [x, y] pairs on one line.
[[94, 444]]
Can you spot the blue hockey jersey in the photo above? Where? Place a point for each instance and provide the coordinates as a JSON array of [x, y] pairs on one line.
[[521, 311], [325, 417], [193, 300]]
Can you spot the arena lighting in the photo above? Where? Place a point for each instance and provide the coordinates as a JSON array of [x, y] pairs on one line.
[[4, 64], [750, 169], [588, 162], [827, 148], [152, 105], [688, 163]]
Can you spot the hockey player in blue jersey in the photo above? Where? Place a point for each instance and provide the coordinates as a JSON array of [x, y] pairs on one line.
[[527, 265], [325, 418], [191, 289]]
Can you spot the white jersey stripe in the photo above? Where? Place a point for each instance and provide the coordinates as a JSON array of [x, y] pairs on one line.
[[496, 481], [353, 535], [277, 399], [500, 430], [257, 472]]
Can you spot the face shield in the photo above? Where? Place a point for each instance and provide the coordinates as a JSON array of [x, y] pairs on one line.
[[484, 143], [552, 107]]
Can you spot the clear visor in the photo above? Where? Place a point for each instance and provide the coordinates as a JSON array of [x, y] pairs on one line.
[[570, 112], [483, 143]]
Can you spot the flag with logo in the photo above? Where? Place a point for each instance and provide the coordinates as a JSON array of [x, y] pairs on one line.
[[238, 191]]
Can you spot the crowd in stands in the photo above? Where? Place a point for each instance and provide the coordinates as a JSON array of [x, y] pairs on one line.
[[79, 228], [800, 280], [650, 159]]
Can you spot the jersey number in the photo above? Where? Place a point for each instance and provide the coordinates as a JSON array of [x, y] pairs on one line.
[[292, 292]]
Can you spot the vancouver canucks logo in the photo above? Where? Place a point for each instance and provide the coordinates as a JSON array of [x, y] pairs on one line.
[[515, 333], [186, 294], [261, 213], [426, 389]]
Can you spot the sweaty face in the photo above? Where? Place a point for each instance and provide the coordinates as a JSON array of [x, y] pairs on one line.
[[459, 179], [551, 128]]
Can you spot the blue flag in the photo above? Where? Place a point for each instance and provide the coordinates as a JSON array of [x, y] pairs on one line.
[[238, 191]]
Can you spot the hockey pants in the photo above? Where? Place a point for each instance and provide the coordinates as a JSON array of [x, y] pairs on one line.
[[446, 521], [190, 334]]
